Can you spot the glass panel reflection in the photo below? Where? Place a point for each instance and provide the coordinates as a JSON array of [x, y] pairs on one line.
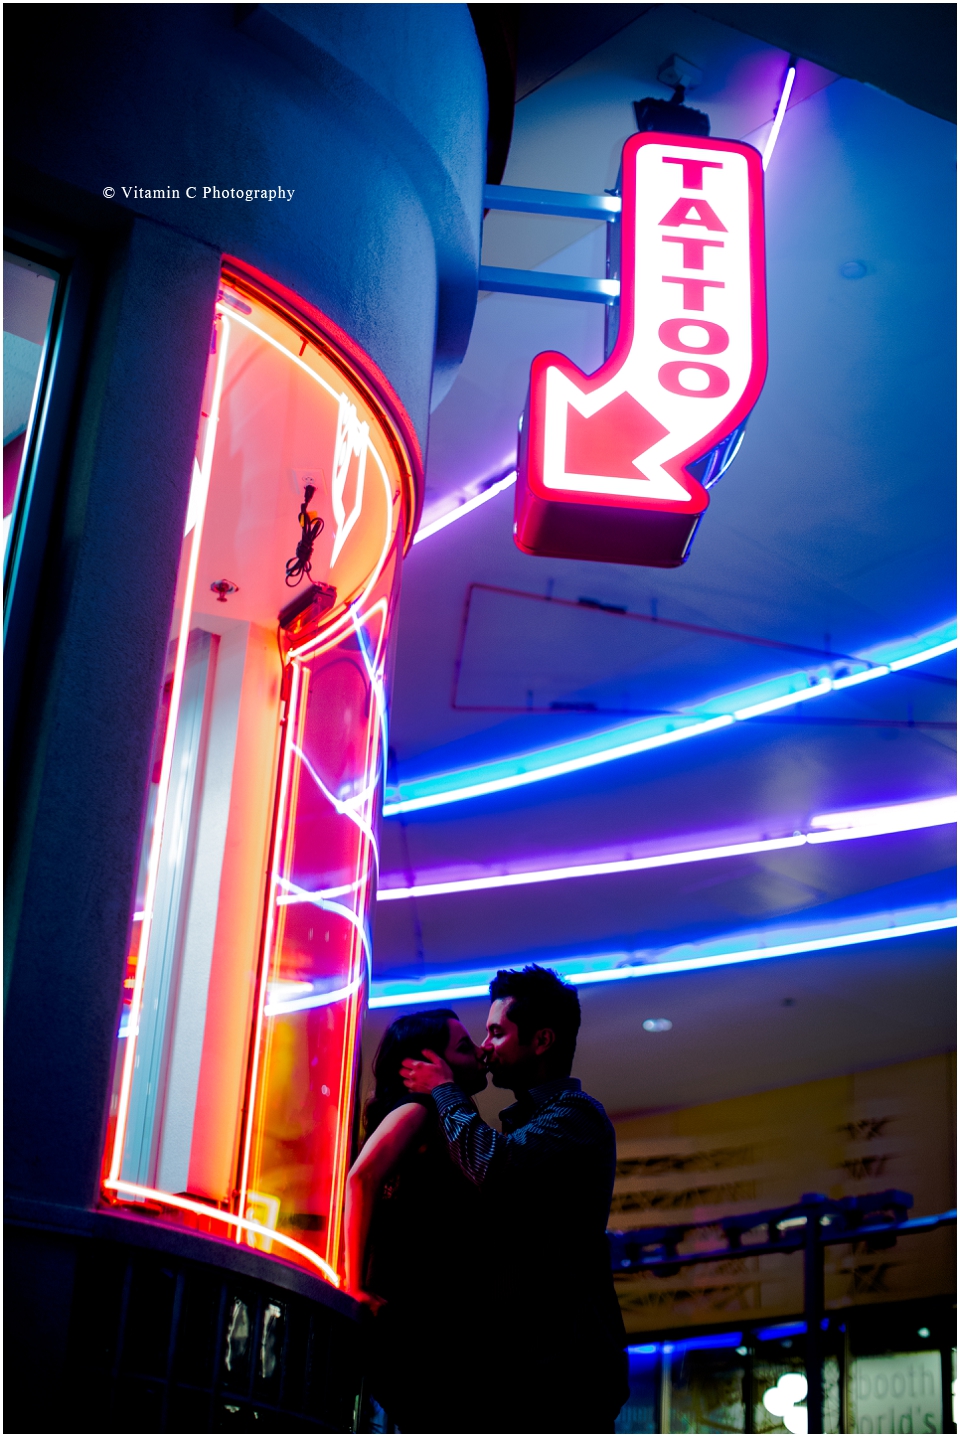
[[28, 294]]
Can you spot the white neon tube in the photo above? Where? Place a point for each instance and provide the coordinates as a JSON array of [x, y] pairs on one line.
[[863, 677], [462, 510], [557, 770], [586, 870], [655, 968], [785, 701], [536, 766], [313, 1000], [934, 653], [865, 823], [242, 1224], [781, 111], [892, 818]]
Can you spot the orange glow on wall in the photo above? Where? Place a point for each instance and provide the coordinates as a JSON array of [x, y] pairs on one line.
[[250, 951]]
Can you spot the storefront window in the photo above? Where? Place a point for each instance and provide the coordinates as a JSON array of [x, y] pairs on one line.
[[707, 1392], [725, 1382], [29, 291], [250, 949]]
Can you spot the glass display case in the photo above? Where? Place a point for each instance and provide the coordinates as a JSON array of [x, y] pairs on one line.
[[233, 1096]]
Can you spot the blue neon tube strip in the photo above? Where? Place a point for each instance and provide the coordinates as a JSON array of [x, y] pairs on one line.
[[684, 958], [690, 1344], [644, 735], [828, 828]]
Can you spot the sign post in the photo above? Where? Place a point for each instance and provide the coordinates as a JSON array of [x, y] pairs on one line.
[[603, 462]]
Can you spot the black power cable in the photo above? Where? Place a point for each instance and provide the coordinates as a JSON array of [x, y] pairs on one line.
[[311, 528]]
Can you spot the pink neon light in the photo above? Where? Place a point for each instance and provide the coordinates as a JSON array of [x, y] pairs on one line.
[[242, 1224], [621, 438], [366, 374], [278, 838]]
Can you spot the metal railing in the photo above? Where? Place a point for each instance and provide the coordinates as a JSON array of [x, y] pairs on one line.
[[808, 1226]]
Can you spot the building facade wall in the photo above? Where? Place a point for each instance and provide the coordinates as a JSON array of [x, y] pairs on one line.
[[374, 117]]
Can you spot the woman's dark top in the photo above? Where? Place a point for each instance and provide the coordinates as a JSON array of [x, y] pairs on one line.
[[426, 1235], [426, 1257]]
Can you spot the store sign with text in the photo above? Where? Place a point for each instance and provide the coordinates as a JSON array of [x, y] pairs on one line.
[[604, 464], [897, 1392]]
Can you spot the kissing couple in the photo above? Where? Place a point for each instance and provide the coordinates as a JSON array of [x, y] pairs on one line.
[[484, 1254]]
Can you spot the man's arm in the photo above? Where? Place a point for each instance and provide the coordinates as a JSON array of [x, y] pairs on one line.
[[471, 1142], [473, 1145], [570, 1126]]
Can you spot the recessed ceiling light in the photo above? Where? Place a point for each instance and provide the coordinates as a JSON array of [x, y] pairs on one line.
[[923, 1332], [657, 1025]]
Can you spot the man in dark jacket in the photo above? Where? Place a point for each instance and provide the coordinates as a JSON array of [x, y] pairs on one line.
[[548, 1177]]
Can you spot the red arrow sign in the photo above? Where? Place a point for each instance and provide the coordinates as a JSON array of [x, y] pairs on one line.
[[611, 439], [602, 463]]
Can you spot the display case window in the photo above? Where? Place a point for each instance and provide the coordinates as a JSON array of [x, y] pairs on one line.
[[29, 295], [250, 949]]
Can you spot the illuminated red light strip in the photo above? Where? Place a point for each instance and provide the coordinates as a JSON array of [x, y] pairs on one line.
[[242, 1224], [270, 923], [376, 739]]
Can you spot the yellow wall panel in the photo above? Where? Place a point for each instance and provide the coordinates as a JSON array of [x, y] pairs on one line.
[[890, 1127]]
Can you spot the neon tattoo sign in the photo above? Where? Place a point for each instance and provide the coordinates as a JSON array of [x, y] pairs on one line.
[[604, 459]]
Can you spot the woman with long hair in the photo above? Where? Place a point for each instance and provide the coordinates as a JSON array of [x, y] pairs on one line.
[[414, 1233]]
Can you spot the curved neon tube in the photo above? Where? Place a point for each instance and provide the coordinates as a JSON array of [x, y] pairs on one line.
[[242, 1224], [923, 813], [499, 775], [311, 1000], [299, 895], [340, 623], [461, 988], [865, 823], [347, 808]]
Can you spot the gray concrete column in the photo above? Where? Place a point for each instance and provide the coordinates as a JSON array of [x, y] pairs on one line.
[[98, 649]]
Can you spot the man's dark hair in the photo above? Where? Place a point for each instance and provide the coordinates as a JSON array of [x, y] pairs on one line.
[[541, 999]]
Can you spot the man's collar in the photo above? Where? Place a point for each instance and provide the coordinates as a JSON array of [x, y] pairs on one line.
[[533, 1097], [554, 1086]]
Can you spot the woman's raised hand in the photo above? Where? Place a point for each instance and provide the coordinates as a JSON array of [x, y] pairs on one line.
[[423, 1077]]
